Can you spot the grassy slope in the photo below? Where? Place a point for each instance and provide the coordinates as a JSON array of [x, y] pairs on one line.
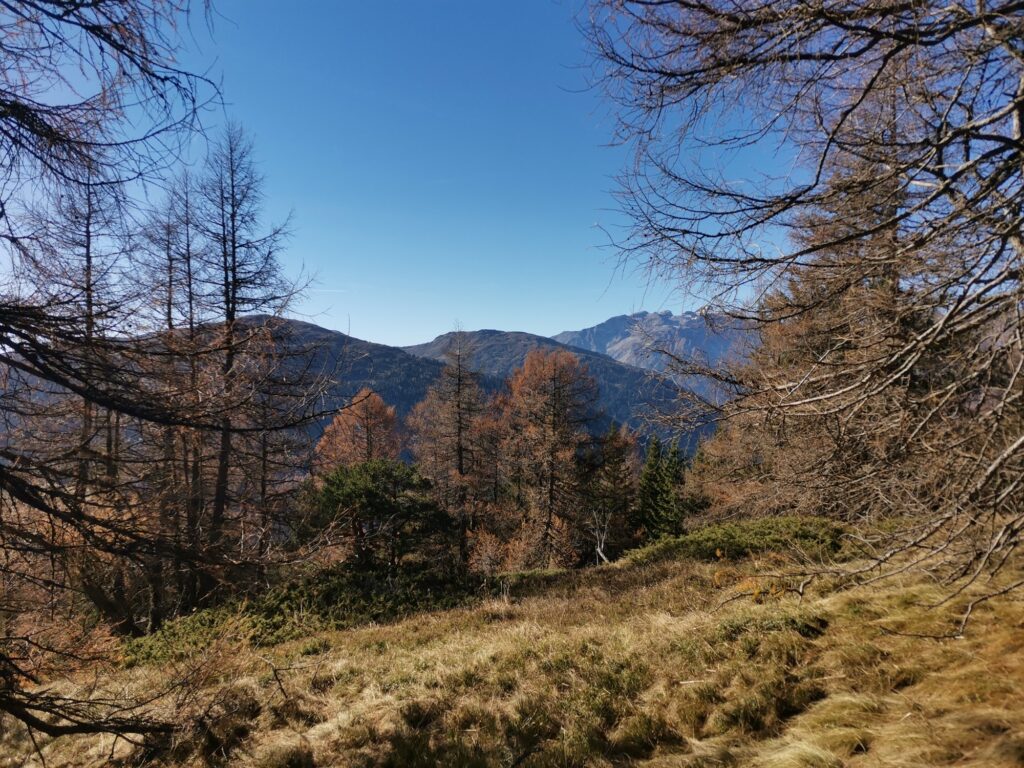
[[635, 664]]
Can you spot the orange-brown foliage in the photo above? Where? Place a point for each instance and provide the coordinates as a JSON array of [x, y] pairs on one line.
[[365, 430]]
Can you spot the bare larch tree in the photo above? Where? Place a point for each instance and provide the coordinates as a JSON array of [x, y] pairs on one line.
[[848, 179]]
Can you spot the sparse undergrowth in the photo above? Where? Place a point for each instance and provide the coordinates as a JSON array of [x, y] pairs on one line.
[[343, 598], [651, 662]]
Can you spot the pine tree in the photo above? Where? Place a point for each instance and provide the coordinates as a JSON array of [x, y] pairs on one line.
[[648, 495], [673, 467], [659, 504], [382, 512]]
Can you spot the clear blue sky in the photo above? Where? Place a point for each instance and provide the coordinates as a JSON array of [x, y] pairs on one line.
[[443, 160]]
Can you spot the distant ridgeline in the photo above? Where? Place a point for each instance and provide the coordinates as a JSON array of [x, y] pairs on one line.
[[640, 340], [616, 352]]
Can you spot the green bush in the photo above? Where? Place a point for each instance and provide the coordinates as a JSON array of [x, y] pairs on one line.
[[345, 597], [337, 598], [732, 541], [184, 637]]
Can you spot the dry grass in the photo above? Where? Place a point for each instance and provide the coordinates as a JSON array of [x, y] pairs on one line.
[[628, 665]]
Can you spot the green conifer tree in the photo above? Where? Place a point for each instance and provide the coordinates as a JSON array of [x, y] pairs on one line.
[[649, 494], [660, 503], [672, 521]]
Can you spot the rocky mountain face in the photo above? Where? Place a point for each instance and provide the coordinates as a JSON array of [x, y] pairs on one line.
[[640, 338]]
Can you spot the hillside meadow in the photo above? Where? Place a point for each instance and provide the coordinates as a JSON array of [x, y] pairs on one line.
[[691, 652]]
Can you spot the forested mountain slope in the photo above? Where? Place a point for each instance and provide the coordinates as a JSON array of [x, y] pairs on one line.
[[400, 378], [628, 394]]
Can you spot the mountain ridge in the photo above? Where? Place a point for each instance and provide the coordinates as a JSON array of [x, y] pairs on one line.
[[628, 394], [632, 385], [641, 338]]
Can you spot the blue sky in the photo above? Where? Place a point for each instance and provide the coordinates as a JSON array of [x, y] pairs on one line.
[[444, 162]]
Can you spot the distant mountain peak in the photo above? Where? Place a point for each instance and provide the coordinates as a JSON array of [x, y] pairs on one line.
[[634, 339]]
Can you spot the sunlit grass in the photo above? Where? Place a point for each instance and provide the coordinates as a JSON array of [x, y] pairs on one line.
[[635, 664]]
